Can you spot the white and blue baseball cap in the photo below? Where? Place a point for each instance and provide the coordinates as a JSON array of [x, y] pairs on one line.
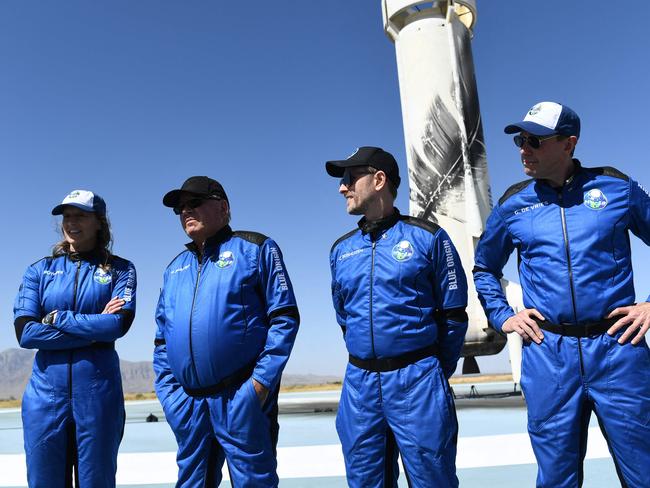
[[84, 200], [547, 118]]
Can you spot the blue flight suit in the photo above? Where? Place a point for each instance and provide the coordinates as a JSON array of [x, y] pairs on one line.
[[73, 406], [223, 320], [399, 292], [575, 267]]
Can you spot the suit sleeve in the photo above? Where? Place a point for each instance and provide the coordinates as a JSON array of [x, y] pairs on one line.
[[282, 313], [165, 382], [640, 213], [491, 255], [337, 297], [100, 327], [30, 331], [450, 286]]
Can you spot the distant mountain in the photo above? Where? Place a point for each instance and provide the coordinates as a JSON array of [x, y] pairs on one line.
[[137, 377], [16, 367], [308, 379]]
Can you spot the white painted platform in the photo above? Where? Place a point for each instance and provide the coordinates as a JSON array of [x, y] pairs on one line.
[[493, 447], [320, 461]]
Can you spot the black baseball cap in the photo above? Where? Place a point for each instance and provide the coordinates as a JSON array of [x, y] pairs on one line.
[[200, 186], [367, 156]]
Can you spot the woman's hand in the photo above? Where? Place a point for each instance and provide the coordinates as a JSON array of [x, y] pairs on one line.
[[114, 305]]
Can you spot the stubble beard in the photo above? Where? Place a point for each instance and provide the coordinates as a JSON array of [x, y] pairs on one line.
[[358, 209]]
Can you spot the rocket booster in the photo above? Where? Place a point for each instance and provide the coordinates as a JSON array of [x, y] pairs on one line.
[[447, 164]]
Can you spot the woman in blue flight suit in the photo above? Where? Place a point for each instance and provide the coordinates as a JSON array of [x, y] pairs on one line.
[[71, 307]]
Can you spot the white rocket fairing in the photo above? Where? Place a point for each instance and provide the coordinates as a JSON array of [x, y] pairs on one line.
[[448, 176]]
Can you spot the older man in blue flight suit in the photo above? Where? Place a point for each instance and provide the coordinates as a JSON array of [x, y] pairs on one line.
[[227, 319], [400, 295], [570, 226]]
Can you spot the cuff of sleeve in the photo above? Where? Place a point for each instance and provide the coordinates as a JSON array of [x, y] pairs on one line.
[[61, 320], [501, 319], [262, 381], [448, 370]]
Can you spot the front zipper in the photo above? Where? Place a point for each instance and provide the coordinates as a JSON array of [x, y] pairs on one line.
[[568, 260], [372, 279], [74, 309], [76, 285], [372, 333], [571, 284], [196, 288]]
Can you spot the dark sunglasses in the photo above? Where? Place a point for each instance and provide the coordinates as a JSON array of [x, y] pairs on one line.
[[349, 179], [192, 204], [533, 141]]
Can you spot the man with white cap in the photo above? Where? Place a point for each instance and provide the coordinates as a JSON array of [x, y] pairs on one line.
[[584, 346]]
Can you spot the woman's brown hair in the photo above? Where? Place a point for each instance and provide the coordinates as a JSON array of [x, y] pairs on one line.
[[103, 246]]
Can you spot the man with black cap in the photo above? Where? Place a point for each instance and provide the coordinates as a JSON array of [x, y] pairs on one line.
[[227, 319], [400, 295], [570, 226]]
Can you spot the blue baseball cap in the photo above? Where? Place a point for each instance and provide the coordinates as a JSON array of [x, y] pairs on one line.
[[84, 200], [548, 118]]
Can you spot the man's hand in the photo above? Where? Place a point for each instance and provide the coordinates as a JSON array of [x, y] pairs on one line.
[[635, 317], [114, 305], [261, 390], [523, 324]]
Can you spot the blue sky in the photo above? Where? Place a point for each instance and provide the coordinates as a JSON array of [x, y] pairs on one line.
[[130, 98]]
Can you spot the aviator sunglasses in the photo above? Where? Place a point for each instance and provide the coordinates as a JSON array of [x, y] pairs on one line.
[[192, 204], [349, 179], [533, 141]]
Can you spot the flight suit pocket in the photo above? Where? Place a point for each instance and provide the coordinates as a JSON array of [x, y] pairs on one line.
[[430, 421], [627, 376], [246, 420], [540, 382]]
